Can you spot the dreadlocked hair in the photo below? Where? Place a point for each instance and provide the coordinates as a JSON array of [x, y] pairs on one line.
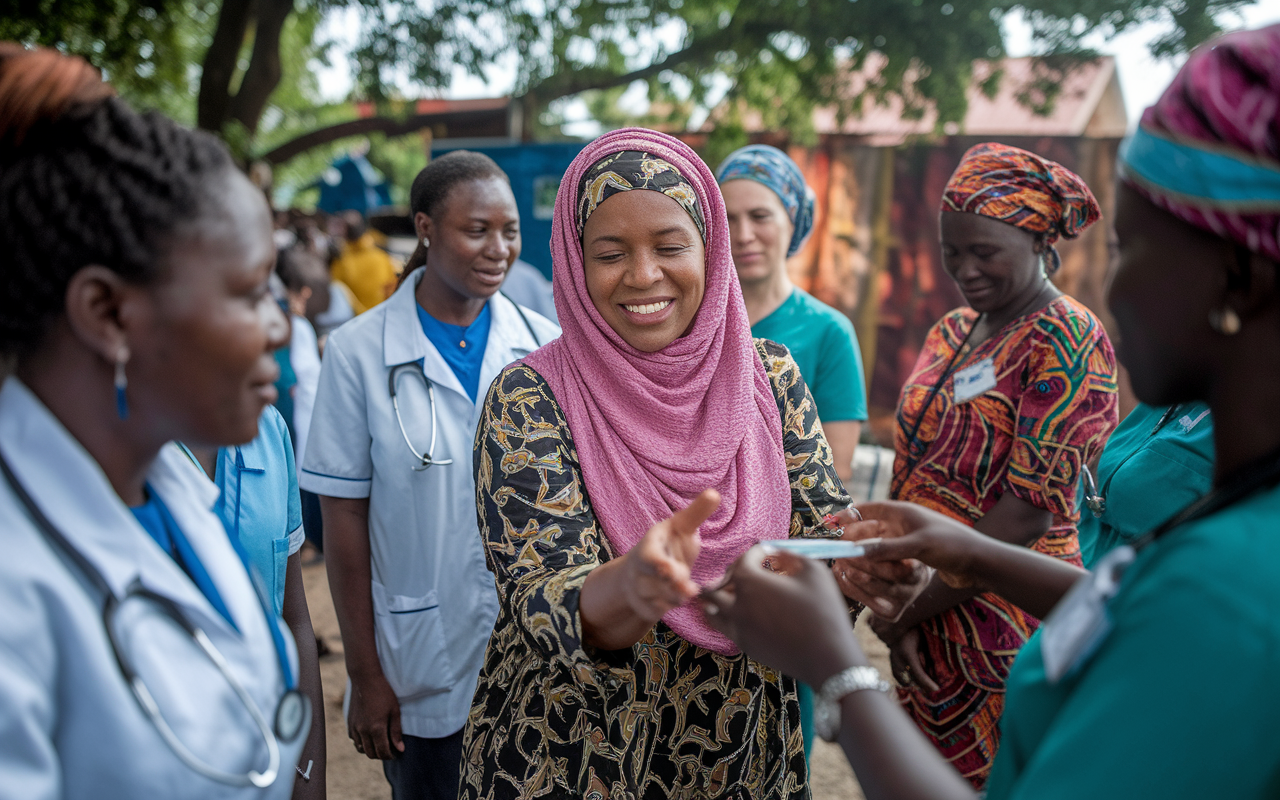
[[84, 180], [437, 179]]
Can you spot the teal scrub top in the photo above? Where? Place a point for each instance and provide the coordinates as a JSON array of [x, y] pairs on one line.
[[1148, 472], [825, 347], [1179, 702], [259, 504]]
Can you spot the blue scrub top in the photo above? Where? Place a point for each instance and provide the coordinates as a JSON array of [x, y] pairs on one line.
[[1151, 469], [461, 348], [259, 504], [1179, 701]]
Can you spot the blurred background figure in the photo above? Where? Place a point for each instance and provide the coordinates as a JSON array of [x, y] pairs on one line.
[[304, 275], [362, 266]]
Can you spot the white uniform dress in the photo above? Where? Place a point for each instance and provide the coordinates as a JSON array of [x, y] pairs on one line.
[[434, 600], [69, 726]]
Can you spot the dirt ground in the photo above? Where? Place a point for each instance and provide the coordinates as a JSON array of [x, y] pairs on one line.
[[354, 777]]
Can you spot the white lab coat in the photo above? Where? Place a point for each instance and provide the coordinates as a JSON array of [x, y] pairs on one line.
[[434, 599], [69, 726]]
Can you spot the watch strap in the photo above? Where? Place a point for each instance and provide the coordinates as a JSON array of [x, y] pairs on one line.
[[826, 716]]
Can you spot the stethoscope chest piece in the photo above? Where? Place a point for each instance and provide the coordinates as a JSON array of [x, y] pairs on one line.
[[292, 715]]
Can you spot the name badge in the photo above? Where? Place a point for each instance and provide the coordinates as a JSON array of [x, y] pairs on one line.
[[1079, 624], [973, 381]]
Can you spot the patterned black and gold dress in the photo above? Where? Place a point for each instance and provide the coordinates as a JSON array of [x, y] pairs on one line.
[[553, 717]]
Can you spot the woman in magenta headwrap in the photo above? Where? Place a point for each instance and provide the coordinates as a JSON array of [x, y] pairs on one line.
[[1010, 397], [620, 468]]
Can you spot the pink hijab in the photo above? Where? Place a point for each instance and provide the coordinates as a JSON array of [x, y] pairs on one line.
[[653, 430]]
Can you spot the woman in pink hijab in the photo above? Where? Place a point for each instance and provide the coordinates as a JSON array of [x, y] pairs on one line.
[[619, 469]]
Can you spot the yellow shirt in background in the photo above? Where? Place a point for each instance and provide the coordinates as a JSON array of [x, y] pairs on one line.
[[367, 271]]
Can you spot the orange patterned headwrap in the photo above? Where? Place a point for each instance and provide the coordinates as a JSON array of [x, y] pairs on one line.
[[1022, 189]]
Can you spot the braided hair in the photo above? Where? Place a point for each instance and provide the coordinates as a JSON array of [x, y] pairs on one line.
[[84, 180], [437, 179]]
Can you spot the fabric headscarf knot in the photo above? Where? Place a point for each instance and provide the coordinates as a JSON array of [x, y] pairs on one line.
[[775, 169], [1022, 189], [1208, 151], [653, 430]]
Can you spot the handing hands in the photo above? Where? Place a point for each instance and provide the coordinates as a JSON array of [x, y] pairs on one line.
[[905, 545], [794, 621]]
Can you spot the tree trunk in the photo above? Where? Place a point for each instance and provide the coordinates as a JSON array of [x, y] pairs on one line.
[[214, 100], [264, 72]]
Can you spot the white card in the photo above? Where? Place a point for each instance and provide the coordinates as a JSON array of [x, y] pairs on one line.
[[1079, 624], [973, 381]]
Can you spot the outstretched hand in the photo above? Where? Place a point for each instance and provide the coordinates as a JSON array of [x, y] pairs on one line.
[[659, 569], [793, 619]]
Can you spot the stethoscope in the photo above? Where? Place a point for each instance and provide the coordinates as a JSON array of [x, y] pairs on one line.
[[1095, 499], [426, 459], [293, 712]]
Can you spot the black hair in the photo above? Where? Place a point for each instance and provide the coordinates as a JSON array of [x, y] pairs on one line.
[[434, 183], [299, 267], [438, 178], [84, 180]]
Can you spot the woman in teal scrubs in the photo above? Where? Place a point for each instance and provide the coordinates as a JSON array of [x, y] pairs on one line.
[[1156, 462], [1154, 676]]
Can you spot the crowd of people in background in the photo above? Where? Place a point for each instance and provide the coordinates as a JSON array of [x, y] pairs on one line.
[[556, 515]]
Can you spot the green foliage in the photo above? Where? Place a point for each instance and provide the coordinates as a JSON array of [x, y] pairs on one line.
[[150, 50], [772, 60], [777, 58]]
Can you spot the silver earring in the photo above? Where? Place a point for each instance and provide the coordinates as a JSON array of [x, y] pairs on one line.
[[1225, 321], [121, 383]]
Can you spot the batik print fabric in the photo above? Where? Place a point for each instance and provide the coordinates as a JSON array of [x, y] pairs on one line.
[[553, 717], [1051, 410]]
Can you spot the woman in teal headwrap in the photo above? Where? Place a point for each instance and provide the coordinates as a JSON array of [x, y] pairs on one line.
[[771, 212]]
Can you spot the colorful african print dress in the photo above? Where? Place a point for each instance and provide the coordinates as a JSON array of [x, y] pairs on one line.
[[553, 717], [1047, 407]]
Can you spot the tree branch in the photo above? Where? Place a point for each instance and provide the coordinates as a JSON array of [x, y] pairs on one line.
[[263, 75], [568, 82], [214, 98]]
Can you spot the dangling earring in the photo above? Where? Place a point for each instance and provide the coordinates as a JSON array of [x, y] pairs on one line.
[[1225, 321], [122, 383]]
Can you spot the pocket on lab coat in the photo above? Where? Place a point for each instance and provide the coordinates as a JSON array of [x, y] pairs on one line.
[[411, 643]]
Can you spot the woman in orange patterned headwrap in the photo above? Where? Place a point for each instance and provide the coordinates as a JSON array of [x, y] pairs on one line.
[[1010, 397]]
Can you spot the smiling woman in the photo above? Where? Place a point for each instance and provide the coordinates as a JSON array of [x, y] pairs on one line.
[[135, 656], [618, 470]]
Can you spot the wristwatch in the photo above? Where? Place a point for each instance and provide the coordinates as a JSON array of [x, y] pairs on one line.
[[826, 707]]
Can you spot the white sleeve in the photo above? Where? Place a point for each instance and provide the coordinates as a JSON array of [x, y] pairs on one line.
[[337, 461], [29, 761]]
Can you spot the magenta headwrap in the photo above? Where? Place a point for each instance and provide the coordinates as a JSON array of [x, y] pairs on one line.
[[653, 430], [1208, 151]]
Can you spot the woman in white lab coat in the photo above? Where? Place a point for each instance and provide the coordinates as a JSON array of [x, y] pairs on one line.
[[134, 311], [414, 598]]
